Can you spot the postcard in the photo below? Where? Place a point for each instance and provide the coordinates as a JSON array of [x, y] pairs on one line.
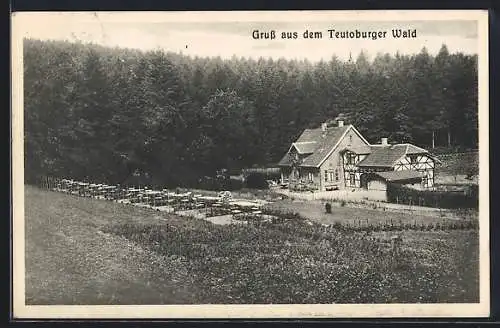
[[259, 164]]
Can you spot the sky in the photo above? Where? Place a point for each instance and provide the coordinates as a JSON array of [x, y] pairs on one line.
[[230, 34]]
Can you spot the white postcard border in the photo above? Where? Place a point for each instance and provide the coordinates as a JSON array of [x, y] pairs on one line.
[[20, 310]]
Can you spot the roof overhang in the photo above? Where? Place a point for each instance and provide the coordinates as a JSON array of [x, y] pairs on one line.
[[300, 150], [434, 158]]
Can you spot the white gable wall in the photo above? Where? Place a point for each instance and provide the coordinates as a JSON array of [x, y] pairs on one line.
[[420, 163]]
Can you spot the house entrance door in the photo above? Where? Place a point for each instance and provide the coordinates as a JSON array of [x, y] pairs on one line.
[[364, 180]]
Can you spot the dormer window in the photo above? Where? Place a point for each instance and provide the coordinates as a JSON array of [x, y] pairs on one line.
[[350, 158]]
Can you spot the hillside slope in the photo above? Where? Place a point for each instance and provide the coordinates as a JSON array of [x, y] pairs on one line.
[[70, 261], [455, 168]]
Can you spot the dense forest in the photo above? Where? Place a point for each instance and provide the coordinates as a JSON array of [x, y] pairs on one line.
[[106, 114]]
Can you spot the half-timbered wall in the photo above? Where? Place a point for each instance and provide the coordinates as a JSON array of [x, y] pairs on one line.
[[352, 173], [333, 165], [420, 163]]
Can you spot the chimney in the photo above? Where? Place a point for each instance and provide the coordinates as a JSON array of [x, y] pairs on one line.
[[341, 123], [384, 142], [324, 126]]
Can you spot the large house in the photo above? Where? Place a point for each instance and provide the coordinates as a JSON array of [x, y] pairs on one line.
[[338, 157]]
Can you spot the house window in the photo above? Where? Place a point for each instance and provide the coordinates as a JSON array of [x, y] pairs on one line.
[[310, 176], [331, 176], [326, 176], [352, 179], [350, 139], [336, 174], [350, 158]]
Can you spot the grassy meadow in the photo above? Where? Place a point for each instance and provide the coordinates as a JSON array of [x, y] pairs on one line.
[[376, 217], [87, 251]]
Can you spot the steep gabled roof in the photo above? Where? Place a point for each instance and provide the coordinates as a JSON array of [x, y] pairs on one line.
[[326, 142], [412, 149], [316, 144], [310, 135], [387, 155], [286, 160], [383, 156], [307, 147]]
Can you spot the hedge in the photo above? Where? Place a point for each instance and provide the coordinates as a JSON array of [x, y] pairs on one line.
[[256, 181], [440, 199]]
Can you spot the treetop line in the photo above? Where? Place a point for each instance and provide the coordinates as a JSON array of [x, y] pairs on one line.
[[105, 113], [335, 34]]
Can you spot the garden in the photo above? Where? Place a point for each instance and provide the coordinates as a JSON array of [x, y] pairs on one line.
[[88, 251], [292, 260]]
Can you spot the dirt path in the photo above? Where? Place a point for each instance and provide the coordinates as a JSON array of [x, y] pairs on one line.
[[70, 261]]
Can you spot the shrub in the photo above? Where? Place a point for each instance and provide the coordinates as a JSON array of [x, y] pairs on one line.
[[233, 184], [342, 203], [328, 208], [442, 199], [256, 181]]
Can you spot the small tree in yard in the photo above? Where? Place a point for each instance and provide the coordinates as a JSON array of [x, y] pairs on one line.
[[328, 208]]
